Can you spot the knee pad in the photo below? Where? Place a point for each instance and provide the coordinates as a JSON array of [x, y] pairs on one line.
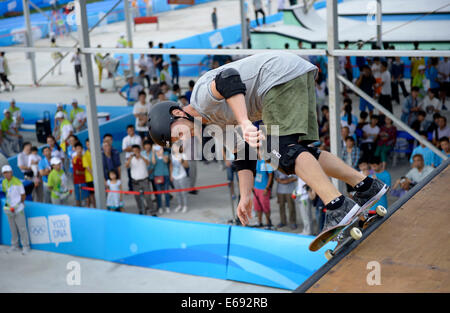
[[288, 156], [314, 151], [289, 150], [240, 165]]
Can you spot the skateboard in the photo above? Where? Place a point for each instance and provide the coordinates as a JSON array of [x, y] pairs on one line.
[[346, 233]]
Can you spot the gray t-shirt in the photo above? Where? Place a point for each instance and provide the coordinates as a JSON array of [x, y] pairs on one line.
[[285, 188], [259, 72]]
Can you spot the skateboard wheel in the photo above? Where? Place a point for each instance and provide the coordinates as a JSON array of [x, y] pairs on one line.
[[329, 254], [356, 233], [381, 211]]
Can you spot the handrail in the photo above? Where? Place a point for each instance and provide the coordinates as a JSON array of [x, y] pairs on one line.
[[191, 51]]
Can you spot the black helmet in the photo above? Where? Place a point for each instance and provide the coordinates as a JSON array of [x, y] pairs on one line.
[[159, 121]]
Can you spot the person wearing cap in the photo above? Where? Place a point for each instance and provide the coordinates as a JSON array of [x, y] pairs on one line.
[[164, 75], [132, 90], [57, 126], [12, 139], [77, 116], [14, 210], [122, 42], [60, 107], [419, 80], [45, 168], [16, 113], [416, 62], [57, 182], [65, 129]]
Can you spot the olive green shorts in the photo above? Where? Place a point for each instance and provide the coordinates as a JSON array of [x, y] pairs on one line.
[[292, 106]]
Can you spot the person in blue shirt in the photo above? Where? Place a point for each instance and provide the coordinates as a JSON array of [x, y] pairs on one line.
[[160, 161], [261, 191], [189, 92], [384, 176], [132, 90], [410, 106], [111, 161], [445, 147], [433, 75], [45, 168], [428, 155]]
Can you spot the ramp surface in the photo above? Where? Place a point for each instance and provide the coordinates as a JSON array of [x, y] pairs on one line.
[[412, 247], [312, 27], [397, 7]]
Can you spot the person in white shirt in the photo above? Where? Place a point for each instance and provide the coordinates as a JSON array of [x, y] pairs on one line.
[[4, 72], [179, 178], [14, 209], [143, 66], [430, 105], [138, 166], [304, 204], [165, 76], [444, 74], [386, 91], [441, 131], [370, 135], [33, 160], [376, 72], [33, 163], [419, 171], [127, 144], [77, 66], [22, 160], [140, 111], [258, 6], [65, 127]]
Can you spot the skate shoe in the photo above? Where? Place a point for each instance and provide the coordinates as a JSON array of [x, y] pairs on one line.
[[369, 197], [341, 215]]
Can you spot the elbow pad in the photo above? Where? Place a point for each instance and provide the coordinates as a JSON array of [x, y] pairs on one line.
[[229, 83]]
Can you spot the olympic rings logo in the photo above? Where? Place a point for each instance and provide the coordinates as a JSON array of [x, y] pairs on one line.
[[37, 230]]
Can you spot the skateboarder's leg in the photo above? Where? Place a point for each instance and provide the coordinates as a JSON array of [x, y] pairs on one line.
[[308, 168], [335, 167]]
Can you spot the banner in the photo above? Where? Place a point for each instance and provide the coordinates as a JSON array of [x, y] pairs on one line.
[[188, 2]]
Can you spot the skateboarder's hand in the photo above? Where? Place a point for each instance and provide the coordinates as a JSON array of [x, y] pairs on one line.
[[244, 210], [252, 135]]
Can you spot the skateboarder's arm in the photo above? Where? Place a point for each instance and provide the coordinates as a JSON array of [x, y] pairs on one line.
[[244, 209], [252, 135], [237, 105]]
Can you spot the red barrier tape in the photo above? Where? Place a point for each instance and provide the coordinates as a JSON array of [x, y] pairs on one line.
[[161, 191]]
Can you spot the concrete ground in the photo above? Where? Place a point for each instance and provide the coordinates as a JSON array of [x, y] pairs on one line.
[[43, 271]]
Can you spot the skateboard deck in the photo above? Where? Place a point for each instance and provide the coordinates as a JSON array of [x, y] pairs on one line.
[[346, 232]]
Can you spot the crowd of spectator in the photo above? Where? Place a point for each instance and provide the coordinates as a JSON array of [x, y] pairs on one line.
[[370, 140]]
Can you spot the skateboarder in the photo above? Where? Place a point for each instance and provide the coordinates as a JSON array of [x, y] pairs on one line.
[[277, 88]]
